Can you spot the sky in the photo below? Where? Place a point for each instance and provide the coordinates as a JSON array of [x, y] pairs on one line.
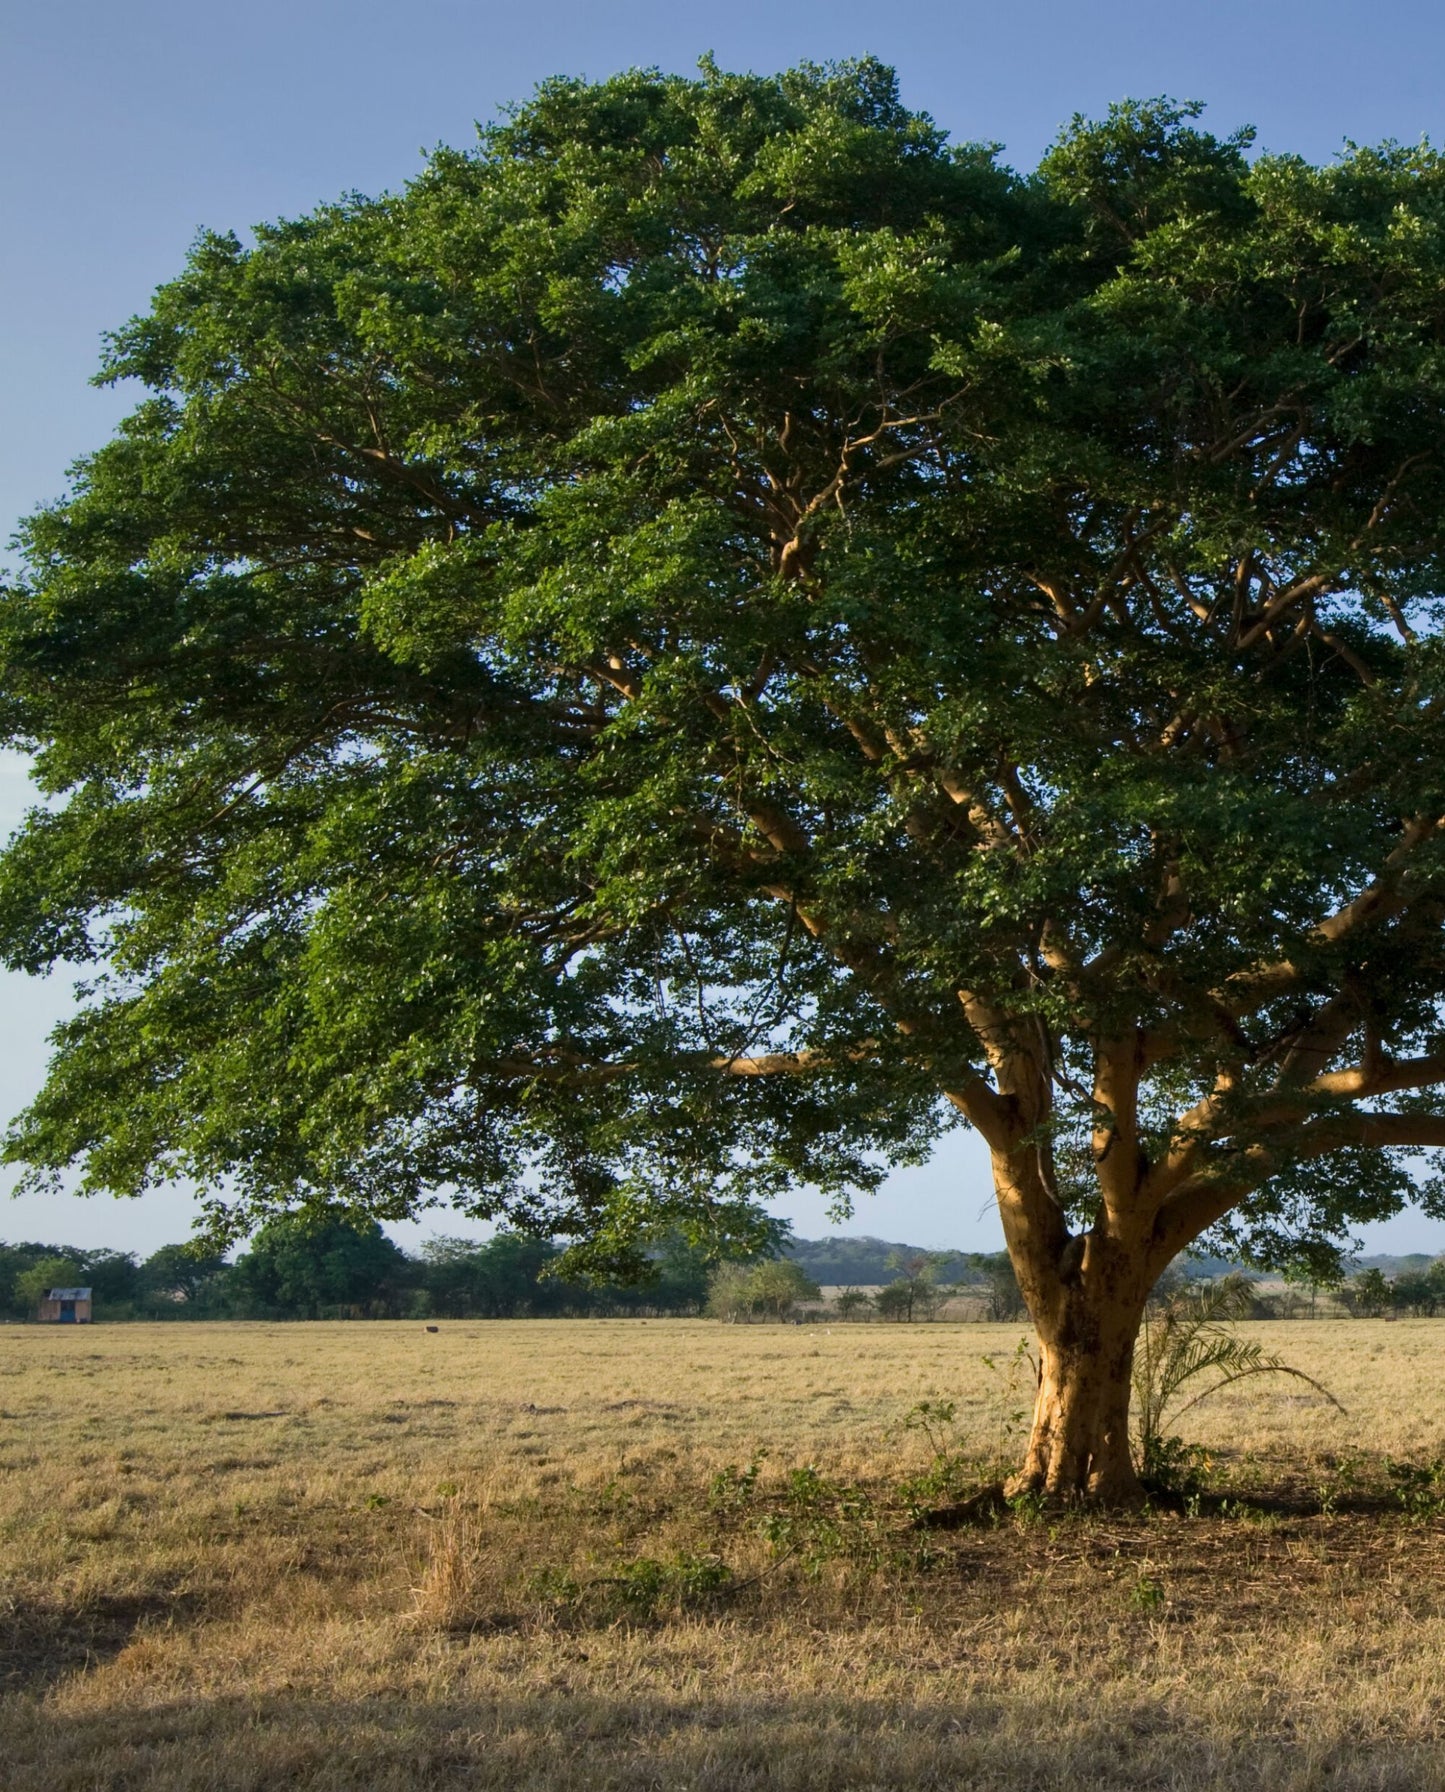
[[126, 129]]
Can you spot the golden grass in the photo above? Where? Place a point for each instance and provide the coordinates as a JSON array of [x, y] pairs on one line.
[[334, 1556]]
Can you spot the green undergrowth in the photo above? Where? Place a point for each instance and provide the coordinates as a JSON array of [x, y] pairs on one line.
[[645, 1548]]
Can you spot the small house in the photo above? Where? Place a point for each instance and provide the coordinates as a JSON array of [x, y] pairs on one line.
[[66, 1306]]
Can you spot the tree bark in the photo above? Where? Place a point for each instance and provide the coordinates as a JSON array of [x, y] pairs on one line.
[[1079, 1446], [1086, 1297]]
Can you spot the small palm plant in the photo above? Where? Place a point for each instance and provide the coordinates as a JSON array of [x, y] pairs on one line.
[[1188, 1338]]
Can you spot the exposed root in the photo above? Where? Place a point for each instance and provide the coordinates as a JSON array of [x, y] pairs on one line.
[[979, 1508]]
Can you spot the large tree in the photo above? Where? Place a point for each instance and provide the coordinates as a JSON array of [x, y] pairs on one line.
[[717, 634]]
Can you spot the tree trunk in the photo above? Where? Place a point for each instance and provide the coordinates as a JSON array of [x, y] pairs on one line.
[[1085, 1293], [1079, 1446]]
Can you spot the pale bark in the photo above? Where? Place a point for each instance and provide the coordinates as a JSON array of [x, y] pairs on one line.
[[1086, 1303]]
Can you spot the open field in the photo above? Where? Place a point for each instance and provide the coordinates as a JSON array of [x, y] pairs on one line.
[[509, 1555]]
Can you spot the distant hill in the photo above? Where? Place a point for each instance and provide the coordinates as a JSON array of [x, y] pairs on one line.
[[1394, 1266], [840, 1262]]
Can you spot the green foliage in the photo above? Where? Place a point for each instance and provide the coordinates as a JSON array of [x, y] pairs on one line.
[[903, 1300], [1419, 1488], [769, 1289], [635, 1589], [29, 1271], [1146, 1595], [186, 1275], [34, 1282], [318, 1264], [1370, 1293], [950, 1474], [639, 669], [1005, 1301], [499, 1279], [850, 1303], [1186, 1340], [819, 1522], [1170, 1465], [1418, 1292]]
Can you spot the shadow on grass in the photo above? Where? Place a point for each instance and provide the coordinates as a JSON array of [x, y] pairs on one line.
[[43, 1642], [560, 1741]]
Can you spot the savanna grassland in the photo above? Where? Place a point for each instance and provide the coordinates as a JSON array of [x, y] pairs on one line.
[[557, 1554]]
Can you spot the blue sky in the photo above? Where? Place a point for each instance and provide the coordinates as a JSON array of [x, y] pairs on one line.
[[125, 129]]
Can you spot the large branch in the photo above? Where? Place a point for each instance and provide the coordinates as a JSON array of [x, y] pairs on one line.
[[1384, 898], [1224, 1179], [560, 1065]]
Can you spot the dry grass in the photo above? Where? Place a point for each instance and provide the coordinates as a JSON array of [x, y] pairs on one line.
[[497, 1556]]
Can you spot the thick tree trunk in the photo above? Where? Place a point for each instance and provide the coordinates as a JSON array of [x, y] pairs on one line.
[[1085, 1292], [1086, 1297], [1079, 1446]]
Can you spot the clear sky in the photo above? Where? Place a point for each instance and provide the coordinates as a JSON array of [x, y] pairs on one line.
[[126, 128]]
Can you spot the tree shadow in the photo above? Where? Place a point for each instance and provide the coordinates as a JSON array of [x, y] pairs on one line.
[[45, 1641], [556, 1741]]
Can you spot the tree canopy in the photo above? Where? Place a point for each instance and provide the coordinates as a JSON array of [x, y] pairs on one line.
[[719, 633]]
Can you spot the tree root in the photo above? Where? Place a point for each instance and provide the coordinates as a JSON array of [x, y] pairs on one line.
[[979, 1508]]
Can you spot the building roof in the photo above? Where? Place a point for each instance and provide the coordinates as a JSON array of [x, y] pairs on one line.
[[68, 1294]]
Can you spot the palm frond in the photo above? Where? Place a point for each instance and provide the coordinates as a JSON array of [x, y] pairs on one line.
[[1192, 1335]]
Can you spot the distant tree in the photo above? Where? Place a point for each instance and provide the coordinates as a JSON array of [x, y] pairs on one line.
[[501, 1278], [1370, 1293], [916, 1276], [311, 1264], [775, 1288], [769, 1289], [113, 1277], [728, 1297], [184, 1274], [896, 1300], [15, 1259], [1416, 1292], [1003, 1299], [1314, 1279], [34, 1282], [849, 1303]]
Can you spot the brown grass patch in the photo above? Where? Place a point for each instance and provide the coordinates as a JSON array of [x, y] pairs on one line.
[[554, 1554]]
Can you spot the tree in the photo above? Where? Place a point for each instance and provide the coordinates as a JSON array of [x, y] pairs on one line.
[[718, 634], [1313, 1279], [113, 1276], [310, 1264], [850, 1303], [1004, 1301], [16, 1259], [771, 1288], [34, 1283], [728, 1295], [1370, 1292], [181, 1273], [914, 1289], [896, 1300], [776, 1287]]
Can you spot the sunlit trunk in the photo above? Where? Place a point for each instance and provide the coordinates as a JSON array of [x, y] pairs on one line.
[[1079, 1445], [1086, 1297]]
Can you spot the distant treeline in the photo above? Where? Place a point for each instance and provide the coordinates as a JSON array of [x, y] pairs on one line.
[[309, 1267], [299, 1268], [305, 1267]]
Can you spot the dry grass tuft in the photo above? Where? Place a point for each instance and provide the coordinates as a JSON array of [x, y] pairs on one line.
[[532, 1556], [449, 1568]]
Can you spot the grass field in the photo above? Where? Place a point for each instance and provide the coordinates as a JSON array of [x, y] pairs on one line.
[[538, 1555]]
